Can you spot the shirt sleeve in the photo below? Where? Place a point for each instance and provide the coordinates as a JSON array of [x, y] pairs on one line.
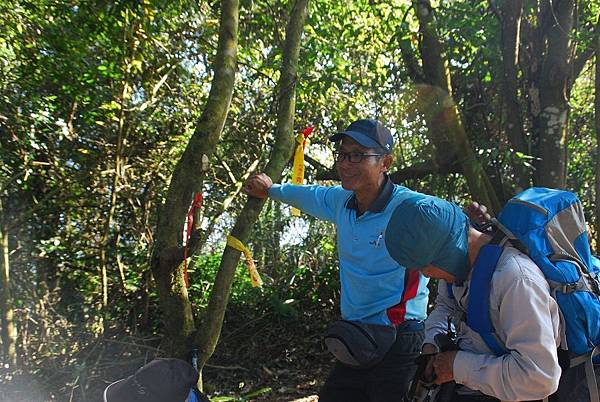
[[530, 370], [437, 321], [322, 202]]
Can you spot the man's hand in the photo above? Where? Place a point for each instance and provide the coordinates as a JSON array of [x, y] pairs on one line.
[[477, 213], [429, 349], [258, 186], [443, 364]]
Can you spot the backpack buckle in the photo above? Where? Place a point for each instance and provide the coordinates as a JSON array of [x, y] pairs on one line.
[[569, 287]]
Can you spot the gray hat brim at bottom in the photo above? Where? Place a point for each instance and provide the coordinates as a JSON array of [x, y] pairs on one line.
[[113, 389]]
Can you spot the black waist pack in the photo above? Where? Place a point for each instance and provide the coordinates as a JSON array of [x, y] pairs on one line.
[[357, 344]]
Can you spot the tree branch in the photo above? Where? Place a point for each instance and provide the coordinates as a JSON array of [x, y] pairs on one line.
[[417, 171], [585, 55]]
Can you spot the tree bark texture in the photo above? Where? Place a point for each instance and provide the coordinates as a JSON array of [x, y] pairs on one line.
[[187, 179], [207, 338], [557, 18], [446, 120], [435, 73], [409, 58], [417, 171], [511, 13]]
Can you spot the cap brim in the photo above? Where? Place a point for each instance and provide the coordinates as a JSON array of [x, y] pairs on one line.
[[358, 137], [120, 387], [109, 391]]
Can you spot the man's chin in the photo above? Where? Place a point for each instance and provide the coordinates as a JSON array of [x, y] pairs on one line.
[[348, 185]]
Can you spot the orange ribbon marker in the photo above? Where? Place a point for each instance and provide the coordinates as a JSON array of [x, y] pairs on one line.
[[298, 167]]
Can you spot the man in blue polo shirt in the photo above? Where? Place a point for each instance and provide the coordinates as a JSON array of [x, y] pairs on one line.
[[375, 289]]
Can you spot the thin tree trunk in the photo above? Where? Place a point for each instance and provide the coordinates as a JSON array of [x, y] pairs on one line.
[[554, 84], [206, 340], [446, 118], [9, 329], [112, 205], [411, 63], [120, 266], [511, 14], [187, 179], [530, 63], [435, 73], [580, 59], [119, 161], [597, 125]]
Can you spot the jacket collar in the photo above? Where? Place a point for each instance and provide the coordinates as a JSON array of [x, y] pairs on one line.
[[382, 200]]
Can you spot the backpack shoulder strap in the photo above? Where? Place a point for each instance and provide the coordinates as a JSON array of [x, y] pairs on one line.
[[478, 313], [450, 293], [498, 238], [503, 235]]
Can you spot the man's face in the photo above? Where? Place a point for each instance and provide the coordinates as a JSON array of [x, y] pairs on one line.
[[431, 271], [368, 173]]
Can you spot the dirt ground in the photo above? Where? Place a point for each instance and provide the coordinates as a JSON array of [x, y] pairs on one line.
[[286, 356], [267, 358]]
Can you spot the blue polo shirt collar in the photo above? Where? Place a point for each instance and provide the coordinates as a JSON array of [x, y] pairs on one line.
[[382, 200]]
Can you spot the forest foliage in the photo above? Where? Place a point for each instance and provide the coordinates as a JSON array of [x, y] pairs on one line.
[[109, 123]]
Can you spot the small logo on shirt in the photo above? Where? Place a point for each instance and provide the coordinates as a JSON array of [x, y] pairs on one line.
[[377, 242]]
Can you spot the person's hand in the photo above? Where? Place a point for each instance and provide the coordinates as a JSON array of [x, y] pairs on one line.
[[477, 213], [443, 364], [428, 350], [258, 186]]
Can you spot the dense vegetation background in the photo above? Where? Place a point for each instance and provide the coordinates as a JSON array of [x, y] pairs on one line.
[[114, 114]]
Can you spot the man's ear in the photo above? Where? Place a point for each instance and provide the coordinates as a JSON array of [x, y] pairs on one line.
[[387, 162]]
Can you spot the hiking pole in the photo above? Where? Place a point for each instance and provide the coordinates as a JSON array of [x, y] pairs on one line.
[[423, 387]]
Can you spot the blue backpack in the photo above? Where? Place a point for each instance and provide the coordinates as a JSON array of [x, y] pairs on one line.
[[549, 226]]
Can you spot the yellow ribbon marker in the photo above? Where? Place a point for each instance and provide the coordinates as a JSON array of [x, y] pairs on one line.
[[298, 167], [238, 245]]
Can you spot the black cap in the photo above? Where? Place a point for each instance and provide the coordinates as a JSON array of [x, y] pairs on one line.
[[158, 381], [368, 133]]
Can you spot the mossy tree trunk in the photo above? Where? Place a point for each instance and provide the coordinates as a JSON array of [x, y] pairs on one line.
[[445, 119], [208, 336], [557, 17], [9, 329], [187, 178]]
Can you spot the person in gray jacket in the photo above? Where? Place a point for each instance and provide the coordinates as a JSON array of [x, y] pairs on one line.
[[434, 237]]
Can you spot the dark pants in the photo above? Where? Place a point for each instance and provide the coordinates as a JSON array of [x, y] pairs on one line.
[[474, 398], [388, 381], [573, 385]]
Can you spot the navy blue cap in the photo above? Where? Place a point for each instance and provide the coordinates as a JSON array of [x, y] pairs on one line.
[[427, 230], [368, 133]]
